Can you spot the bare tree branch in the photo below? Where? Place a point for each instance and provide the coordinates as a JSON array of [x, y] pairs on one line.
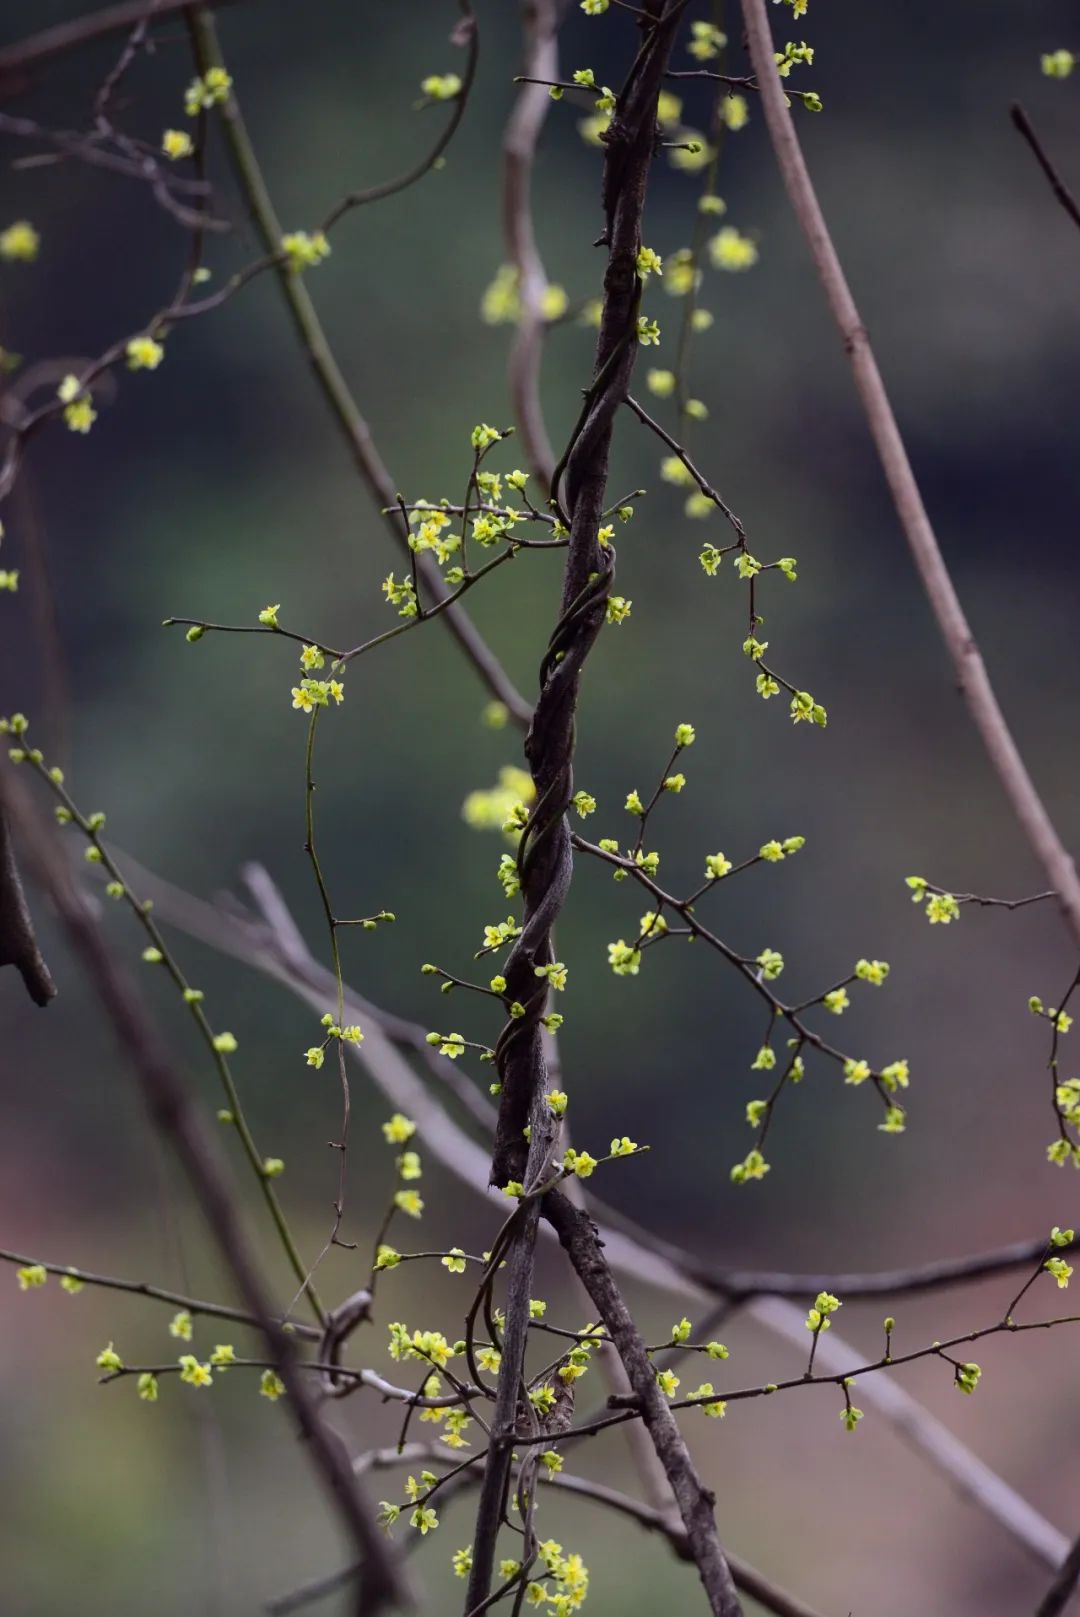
[[1057, 184], [18, 944], [1063, 1588], [160, 1294], [541, 21], [173, 1113], [68, 36], [969, 668], [581, 1242]]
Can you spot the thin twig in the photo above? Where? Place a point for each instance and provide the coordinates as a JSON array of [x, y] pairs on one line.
[[68, 36], [747, 1578], [178, 1120], [18, 941], [1057, 184], [140, 1288]]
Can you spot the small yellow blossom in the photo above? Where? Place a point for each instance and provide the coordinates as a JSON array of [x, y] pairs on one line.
[[177, 143], [144, 354], [20, 241]]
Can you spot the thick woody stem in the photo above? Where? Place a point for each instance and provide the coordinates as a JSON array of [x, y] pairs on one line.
[[18, 945], [578, 1235], [544, 855]]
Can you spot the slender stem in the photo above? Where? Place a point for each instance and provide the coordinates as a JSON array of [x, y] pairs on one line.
[[1057, 184], [140, 1288], [176, 1116], [333, 385]]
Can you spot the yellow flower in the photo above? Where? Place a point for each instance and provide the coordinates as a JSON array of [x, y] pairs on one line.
[[79, 412], [177, 143], [730, 250], [735, 112], [399, 1129], [303, 250], [144, 354], [194, 1373], [20, 241]]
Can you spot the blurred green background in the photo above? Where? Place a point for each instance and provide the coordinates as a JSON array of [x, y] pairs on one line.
[[219, 484]]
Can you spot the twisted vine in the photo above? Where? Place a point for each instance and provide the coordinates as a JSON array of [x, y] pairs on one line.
[[525, 1131]]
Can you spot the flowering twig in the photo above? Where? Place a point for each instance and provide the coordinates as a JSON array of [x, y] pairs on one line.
[[175, 1115]]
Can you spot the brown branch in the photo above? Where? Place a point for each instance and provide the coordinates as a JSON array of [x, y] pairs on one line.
[[746, 1577], [18, 944], [1063, 1588], [175, 1116], [544, 854], [69, 36], [971, 1477], [140, 1288], [741, 1284], [969, 668], [541, 21], [581, 1243], [1057, 184]]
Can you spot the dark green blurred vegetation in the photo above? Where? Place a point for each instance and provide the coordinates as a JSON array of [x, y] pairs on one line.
[[220, 484]]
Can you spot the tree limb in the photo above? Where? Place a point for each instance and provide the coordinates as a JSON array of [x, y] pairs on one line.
[[18, 944], [1063, 1588], [174, 1115], [969, 668], [541, 21], [69, 36], [582, 1245]]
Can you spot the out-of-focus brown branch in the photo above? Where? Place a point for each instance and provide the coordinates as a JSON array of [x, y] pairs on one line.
[[35, 49], [969, 668], [174, 1115], [18, 944], [1057, 184], [541, 21], [1063, 1588], [160, 1294]]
